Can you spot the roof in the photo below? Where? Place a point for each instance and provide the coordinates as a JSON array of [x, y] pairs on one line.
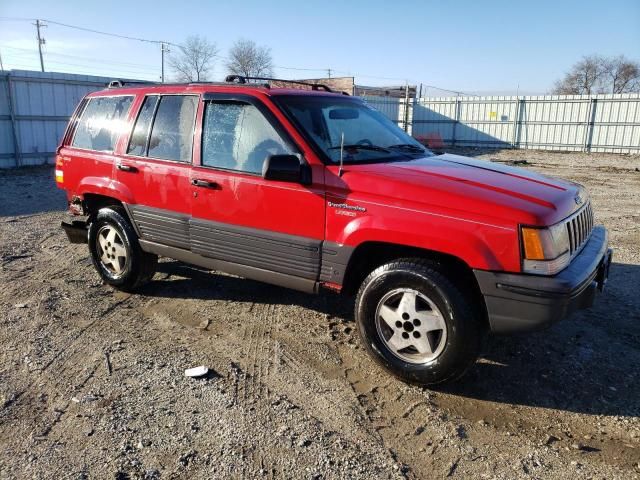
[[208, 87], [233, 83]]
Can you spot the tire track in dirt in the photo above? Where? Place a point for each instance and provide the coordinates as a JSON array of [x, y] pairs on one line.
[[259, 359]]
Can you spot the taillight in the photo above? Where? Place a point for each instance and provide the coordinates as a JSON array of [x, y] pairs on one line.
[[59, 171]]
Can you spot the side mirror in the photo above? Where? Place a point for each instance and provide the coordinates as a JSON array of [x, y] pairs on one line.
[[286, 168]]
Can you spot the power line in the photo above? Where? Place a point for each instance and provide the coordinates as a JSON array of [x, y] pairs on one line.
[[163, 45], [457, 92], [99, 32], [93, 68], [89, 59], [108, 64]]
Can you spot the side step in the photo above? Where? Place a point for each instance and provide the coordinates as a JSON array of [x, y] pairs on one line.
[[76, 231]]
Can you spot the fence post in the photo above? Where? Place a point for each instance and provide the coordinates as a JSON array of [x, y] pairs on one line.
[[414, 102], [12, 116], [591, 120], [516, 124], [406, 108], [456, 121]]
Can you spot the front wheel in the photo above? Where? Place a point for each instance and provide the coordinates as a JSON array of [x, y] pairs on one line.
[[116, 253], [416, 323]]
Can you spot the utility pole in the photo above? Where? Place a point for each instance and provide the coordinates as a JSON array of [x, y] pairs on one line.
[[328, 73], [1, 65], [163, 48], [41, 42]]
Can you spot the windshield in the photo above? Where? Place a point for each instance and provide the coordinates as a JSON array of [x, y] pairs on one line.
[[348, 125]]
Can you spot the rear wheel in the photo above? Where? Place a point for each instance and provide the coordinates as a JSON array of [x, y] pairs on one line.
[[416, 323], [116, 253]]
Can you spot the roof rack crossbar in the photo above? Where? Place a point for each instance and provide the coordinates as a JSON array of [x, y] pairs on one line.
[[243, 79]]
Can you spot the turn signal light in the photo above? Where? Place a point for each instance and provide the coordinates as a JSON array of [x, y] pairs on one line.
[[532, 242]]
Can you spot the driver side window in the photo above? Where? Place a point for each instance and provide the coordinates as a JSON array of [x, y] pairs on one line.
[[236, 136]]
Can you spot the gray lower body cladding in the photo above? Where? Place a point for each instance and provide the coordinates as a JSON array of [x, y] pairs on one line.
[[161, 226], [196, 240], [335, 259], [277, 252]]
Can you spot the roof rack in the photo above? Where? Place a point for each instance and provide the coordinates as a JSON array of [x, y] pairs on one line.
[[124, 83], [229, 80], [243, 79], [121, 83]]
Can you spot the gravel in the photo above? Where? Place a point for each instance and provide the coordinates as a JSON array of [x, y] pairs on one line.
[[291, 392]]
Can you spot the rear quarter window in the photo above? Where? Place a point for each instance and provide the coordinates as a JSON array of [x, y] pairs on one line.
[[101, 123]]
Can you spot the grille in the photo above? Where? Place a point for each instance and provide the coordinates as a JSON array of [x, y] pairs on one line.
[[579, 227]]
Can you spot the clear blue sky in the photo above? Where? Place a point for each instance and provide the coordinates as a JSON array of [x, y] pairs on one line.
[[471, 46]]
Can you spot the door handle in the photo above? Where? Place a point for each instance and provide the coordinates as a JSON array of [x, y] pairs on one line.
[[205, 183], [126, 168]]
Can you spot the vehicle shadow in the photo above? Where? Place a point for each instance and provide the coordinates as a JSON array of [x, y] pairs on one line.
[[585, 364], [175, 279], [589, 363]]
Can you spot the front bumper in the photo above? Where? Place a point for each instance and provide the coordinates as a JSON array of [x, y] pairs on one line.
[[520, 303]]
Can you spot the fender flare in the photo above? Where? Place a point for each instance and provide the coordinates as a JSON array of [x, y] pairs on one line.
[[106, 187]]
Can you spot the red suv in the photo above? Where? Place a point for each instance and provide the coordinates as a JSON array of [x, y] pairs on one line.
[[306, 188]]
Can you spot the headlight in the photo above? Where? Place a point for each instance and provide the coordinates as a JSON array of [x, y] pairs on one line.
[[545, 250]]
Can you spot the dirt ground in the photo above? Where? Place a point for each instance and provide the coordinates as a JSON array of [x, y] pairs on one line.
[[92, 383]]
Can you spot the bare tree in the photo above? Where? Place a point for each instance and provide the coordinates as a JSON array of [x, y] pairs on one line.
[[596, 74], [623, 74], [584, 78], [194, 61], [250, 60]]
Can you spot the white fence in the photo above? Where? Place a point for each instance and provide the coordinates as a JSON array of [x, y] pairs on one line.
[[590, 123], [35, 107], [34, 110]]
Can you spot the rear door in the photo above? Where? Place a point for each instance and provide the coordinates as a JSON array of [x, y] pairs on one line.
[[155, 167], [238, 216]]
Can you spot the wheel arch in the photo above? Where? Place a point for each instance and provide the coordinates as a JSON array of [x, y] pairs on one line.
[[97, 193], [368, 256]]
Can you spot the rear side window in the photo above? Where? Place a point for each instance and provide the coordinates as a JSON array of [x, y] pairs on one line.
[[138, 142], [236, 136], [101, 123], [172, 130]]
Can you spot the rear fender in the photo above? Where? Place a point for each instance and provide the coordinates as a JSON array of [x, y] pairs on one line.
[[107, 187]]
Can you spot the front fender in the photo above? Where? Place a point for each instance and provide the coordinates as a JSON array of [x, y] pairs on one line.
[[485, 247]]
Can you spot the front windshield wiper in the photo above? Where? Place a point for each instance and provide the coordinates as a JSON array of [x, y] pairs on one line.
[[408, 146], [356, 146]]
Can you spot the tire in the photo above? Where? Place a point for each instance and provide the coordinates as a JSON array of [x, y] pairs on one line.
[[116, 253], [416, 323]]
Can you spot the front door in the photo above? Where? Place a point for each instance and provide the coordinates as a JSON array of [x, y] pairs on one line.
[[239, 217]]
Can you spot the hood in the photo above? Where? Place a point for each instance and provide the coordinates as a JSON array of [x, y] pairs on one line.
[[471, 186]]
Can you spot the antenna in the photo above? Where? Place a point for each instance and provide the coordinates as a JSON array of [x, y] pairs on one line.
[[340, 170]]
